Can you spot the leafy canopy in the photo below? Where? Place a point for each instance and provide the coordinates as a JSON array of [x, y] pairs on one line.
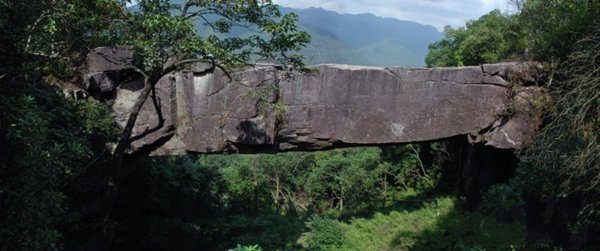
[[492, 38], [51, 142], [164, 36]]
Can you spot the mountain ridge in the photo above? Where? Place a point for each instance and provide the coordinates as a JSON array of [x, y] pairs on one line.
[[361, 39], [364, 39]]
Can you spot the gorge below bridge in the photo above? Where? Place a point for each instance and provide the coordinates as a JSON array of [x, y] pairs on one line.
[[265, 109]]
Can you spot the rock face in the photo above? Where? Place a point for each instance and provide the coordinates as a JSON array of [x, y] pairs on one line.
[[264, 109], [106, 67]]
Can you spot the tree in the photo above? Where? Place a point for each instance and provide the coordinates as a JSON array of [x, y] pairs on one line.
[[566, 34], [555, 26], [47, 140], [443, 53], [164, 39], [568, 145], [53, 35], [560, 170], [492, 38]]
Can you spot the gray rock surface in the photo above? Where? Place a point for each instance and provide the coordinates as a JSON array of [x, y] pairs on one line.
[[109, 58], [264, 109], [107, 67]]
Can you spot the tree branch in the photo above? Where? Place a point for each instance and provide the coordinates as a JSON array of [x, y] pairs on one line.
[[124, 139]]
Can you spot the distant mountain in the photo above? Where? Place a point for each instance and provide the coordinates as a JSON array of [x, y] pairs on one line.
[[388, 52], [326, 48], [364, 38]]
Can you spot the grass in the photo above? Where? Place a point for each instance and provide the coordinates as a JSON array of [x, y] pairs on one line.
[[436, 225]]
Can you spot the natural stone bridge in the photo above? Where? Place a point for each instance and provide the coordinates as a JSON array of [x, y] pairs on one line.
[[262, 108]]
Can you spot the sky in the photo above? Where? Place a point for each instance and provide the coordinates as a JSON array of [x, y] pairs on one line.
[[437, 13]]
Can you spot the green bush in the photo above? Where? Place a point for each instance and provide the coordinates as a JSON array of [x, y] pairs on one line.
[[502, 198], [247, 248], [47, 141], [324, 234], [436, 225]]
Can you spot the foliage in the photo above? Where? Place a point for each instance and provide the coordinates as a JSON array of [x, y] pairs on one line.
[[443, 53], [164, 35], [502, 198], [53, 35], [247, 248], [415, 166], [568, 146], [492, 38], [352, 180], [555, 26], [216, 202], [173, 201], [47, 141], [562, 165], [343, 177], [266, 198], [324, 234], [262, 199], [435, 225], [188, 205], [56, 136], [164, 40], [530, 33], [272, 231]]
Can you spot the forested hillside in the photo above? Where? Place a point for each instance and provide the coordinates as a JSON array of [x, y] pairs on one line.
[[68, 180], [364, 39], [353, 39]]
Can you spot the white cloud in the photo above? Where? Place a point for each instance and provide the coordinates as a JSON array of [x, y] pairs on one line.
[[437, 13]]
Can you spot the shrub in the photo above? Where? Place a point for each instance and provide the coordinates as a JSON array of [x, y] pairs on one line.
[[324, 234]]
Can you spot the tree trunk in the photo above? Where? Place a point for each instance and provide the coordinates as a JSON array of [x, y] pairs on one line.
[[117, 158]]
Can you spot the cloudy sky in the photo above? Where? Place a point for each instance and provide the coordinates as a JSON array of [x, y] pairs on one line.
[[437, 13]]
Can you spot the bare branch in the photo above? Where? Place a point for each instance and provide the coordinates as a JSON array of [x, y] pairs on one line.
[[4, 75]]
